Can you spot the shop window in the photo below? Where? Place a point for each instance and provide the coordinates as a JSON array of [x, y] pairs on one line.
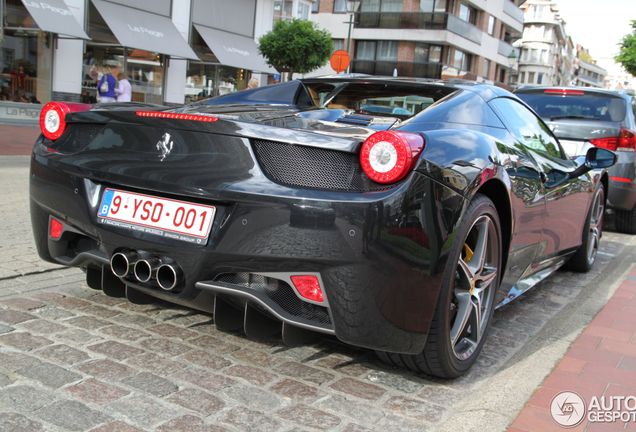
[[145, 73], [208, 80], [97, 61]]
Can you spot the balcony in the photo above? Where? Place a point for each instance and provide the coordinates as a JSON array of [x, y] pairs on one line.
[[513, 10], [405, 69], [419, 20], [505, 49]]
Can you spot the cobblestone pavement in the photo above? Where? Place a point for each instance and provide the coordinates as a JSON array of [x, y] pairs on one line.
[[72, 359]]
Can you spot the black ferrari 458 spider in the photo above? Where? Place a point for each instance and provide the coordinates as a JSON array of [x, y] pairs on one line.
[[395, 214]]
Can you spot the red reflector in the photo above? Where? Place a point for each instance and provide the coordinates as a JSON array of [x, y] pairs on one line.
[[160, 114], [621, 179], [564, 92], [308, 287], [55, 230]]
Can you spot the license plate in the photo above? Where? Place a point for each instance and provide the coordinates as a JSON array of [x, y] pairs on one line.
[[168, 218]]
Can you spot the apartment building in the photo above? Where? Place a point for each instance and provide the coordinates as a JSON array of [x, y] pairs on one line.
[[424, 38]]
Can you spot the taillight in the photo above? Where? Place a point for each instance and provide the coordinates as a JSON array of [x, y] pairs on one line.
[[308, 287], [160, 114], [52, 117], [625, 141], [565, 92], [387, 156]]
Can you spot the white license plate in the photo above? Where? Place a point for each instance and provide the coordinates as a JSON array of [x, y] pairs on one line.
[[165, 217]]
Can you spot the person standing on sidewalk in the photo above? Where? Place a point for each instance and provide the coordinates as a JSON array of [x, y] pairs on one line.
[[123, 90], [106, 86]]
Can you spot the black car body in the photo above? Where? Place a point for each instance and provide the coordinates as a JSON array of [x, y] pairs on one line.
[[582, 117], [413, 267]]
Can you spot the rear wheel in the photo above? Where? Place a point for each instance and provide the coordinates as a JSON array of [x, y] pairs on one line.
[[584, 258], [626, 221], [467, 298]]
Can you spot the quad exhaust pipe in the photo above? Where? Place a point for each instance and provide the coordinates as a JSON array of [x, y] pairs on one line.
[[167, 275]]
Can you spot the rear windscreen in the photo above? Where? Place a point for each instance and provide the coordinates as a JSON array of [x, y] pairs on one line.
[[593, 107]]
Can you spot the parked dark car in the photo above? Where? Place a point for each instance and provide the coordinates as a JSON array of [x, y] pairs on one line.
[[582, 117], [427, 223]]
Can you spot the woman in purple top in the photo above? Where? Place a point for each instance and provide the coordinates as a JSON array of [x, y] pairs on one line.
[[107, 94], [123, 90]]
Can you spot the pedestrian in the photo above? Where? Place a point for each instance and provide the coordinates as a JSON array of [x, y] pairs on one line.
[[123, 90], [106, 86], [253, 83]]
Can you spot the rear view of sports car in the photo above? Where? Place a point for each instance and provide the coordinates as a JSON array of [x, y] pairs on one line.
[[294, 209]]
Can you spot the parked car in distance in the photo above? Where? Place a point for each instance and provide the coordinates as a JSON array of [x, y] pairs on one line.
[[582, 117], [285, 210]]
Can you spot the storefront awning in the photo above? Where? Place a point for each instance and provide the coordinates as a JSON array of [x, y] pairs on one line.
[[135, 28], [55, 17], [234, 50]]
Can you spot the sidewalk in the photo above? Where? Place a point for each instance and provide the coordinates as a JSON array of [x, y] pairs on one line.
[[17, 140], [601, 363]]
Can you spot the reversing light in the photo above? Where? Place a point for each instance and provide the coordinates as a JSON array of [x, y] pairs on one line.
[[55, 229], [387, 156], [160, 114], [52, 117], [308, 287]]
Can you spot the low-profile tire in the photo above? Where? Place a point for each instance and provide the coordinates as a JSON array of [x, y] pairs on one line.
[[585, 256], [466, 301], [625, 221]]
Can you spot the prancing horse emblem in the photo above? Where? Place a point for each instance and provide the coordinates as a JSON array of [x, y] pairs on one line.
[[165, 145]]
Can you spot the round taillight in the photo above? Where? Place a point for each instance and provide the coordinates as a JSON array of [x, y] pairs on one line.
[[52, 117], [387, 156]]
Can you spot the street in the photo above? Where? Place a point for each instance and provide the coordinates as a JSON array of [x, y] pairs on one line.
[[73, 359]]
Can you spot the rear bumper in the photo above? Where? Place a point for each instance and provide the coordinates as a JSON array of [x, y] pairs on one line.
[[622, 186], [381, 286]]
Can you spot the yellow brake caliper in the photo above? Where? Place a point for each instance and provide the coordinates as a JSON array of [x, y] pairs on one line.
[[468, 256]]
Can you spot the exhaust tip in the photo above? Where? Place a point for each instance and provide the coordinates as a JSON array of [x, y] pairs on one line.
[[146, 269], [121, 263], [168, 276]]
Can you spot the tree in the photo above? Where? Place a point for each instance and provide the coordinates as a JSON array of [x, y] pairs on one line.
[[296, 46], [627, 55]]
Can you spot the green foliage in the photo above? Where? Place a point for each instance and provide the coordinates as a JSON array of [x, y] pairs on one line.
[[627, 56], [296, 45]]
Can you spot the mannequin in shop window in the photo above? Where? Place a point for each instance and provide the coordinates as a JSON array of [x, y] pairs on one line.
[[123, 90], [106, 86]]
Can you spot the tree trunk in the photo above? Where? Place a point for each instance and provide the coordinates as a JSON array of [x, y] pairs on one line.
[[290, 74]]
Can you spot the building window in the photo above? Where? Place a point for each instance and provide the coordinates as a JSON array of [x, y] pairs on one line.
[[486, 71], [303, 10], [468, 14], [540, 78], [381, 6], [315, 8], [283, 9], [425, 53], [491, 25], [338, 44], [462, 60], [524, 54], [376, 57], [536, 11], [433, 6], [544, 56], [339, 6], [530, 77], [547, 32], [534, 55], [522, 77]]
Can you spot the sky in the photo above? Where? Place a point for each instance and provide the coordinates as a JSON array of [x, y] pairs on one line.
[[598, 25]]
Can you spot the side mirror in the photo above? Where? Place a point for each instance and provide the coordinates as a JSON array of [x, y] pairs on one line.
[[595, 158]]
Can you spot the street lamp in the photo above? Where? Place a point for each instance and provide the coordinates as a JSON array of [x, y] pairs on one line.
[[512, 60], [352, 7]]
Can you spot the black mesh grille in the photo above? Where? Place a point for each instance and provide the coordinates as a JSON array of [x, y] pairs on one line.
[[313, 168], [281, 293], [77, 137]]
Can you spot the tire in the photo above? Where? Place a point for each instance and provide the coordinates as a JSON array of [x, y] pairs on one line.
[[466, 300], [626, 221], [585, 256]]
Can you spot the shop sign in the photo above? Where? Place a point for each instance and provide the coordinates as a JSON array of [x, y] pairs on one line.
[[19, 112]]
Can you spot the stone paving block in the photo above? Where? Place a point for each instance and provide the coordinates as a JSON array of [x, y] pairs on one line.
[[69, 303], [13, 362], [117, 426], [99, 311], [184, 317], [42, 326], [24, 398], [108, 301], [134, 320], [146, 412], [398, 380], [124, 333], [256, 358], [22, 303], [9, 316], [307, 373], [342, 365], [139, 308], [394, 423], [244, 341], [250, 421], [23, 341], [164, 347], [441, 395], [106, 369], [50, 375], [309, 417], [196, 400], [253, 398], [351, 407], [415, 408], [95, 392], [86, 323], [207, 327], [71, 415], [296, 391], [172, 331], [63, 354], [5, 329], [204, 379], [115, 350], [358, 388], [251, 374], [150, 383], [46, 296], [53, 313], [205, 359], [155, 363], [14, 422], [216, 345], [77, 337], [188, 423], [5, 380]]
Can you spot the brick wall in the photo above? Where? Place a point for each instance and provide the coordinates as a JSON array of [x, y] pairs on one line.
[[326, 6], [406, 51], [411, 6]]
